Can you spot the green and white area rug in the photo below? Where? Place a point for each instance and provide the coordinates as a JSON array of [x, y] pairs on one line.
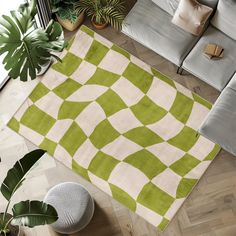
[[120, 124]]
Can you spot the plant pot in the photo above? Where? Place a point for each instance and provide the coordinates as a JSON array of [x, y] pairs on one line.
[[15, 230], [71, 26], [98, 26]]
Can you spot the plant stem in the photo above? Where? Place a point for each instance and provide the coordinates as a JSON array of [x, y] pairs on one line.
[[5, 212], [8, 222]]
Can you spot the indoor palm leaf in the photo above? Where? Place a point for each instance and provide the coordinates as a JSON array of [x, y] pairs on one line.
[[26, 49], [33, 213], [26, 213], [16, 175]]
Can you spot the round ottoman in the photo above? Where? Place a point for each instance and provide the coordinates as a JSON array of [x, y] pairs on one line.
[[74, 207]]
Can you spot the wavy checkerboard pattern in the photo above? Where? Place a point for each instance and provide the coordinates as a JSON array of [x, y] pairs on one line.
[[120, 124]]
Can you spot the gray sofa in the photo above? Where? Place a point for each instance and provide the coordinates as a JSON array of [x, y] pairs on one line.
[[149, 22], [150, 25]]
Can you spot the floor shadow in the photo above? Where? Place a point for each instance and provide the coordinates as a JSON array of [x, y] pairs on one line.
[[100, 225]]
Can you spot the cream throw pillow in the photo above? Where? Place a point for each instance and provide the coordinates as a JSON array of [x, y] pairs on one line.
[[191, 16]]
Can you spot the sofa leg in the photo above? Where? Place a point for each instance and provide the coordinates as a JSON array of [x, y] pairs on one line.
[[179, 70]]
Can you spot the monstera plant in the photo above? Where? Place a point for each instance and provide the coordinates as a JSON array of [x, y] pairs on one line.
[[25, 213], [27, 50]]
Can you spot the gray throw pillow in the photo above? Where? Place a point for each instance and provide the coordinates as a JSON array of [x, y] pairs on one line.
[[225, 17]]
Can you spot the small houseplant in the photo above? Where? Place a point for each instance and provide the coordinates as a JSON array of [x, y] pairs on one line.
[[66, 13], [103, 12], [25, 213], [28, 50]]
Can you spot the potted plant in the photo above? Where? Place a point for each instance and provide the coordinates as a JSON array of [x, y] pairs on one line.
[[25, 213], [28, 50], [103, 12], [66, 14]]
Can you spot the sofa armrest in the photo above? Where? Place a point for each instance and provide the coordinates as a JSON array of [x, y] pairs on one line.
[[220, 124]]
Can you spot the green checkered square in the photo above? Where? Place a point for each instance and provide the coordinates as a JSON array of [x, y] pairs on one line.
[[70, 110], [48, 145], [123, 197], [163, 224], [111, 102], [103, 77], [14, 124], [155, 199], [182, 113], [72, 134], [139, 77], [143, 136], [103, 134], [69, 64], [185, 139], [121, 51], [96, 53], [87, 31], [37, 120], [147, 111], [102, 165], [213, 153], [80, 170], [184, 165], [145, 161], [184, 187], [40, 91], [67, 88]]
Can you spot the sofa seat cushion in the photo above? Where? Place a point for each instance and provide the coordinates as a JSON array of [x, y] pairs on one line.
[[220, 124], [217, 73], [225, 17], [152, 27], [170, 6]]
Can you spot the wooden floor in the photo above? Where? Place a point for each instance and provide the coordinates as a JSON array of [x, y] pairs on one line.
[[210, 210]]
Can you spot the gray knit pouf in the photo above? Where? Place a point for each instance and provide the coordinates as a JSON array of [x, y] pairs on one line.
[[74, 207]]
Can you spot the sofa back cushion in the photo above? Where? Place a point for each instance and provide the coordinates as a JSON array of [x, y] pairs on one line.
[[170, 6], [225, 17], [191, 16]]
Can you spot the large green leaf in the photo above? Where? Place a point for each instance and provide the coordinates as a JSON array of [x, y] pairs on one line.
[[33, 213], [16, 175], [27, 50]]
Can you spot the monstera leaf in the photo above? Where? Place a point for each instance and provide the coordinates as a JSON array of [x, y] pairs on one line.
[[33, 213], [26, 49], [16, 175]]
